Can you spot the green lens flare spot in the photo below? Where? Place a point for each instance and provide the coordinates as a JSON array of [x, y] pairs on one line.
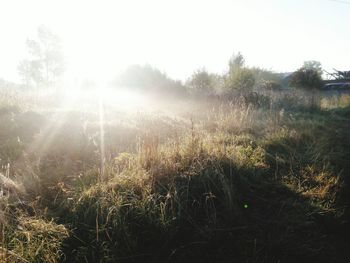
[[246, 206]]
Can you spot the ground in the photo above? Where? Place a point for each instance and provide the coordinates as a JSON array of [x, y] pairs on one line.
[[261, 178]]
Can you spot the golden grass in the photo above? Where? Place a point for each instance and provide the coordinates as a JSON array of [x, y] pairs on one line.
[[224, 167]]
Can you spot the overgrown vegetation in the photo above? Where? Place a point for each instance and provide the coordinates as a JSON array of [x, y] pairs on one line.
[[260, 177], [231, 167]]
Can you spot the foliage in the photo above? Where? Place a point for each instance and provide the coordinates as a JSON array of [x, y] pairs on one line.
[[34, 240], [306, 78], [45, 65], [241, 79], [149, 80], [236, 61], [315, 65], [262, 74], [340, 75], [270, 85], [253, 178], [202, 82]]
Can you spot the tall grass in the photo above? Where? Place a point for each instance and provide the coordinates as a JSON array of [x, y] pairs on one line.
[[253, 179]]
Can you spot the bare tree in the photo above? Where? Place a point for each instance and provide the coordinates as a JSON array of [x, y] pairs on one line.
[[45, 65], [339, 75]]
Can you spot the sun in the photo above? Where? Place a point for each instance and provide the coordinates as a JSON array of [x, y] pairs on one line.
[[113, 98]]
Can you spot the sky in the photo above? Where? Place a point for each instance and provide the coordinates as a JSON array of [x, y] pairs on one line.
[[101, 38]]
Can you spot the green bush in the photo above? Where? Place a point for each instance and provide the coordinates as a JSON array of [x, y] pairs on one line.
[[306, 78], [241, 79]]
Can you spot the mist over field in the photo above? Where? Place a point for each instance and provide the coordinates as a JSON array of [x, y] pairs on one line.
[[162, 131]]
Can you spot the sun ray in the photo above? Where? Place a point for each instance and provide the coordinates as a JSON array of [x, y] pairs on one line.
[[102, 136]]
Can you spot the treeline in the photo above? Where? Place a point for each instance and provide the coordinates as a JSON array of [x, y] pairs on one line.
[[238, 78], [44, 68]]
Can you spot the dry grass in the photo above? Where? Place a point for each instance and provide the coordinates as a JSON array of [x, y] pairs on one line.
[[215, 181]]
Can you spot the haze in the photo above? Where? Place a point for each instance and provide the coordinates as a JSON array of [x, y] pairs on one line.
[[103, 37]]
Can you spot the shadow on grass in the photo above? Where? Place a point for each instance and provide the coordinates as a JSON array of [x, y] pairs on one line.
[[211, 209], [219, 213]]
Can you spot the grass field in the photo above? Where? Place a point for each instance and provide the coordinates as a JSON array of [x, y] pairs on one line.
[[246, 179]]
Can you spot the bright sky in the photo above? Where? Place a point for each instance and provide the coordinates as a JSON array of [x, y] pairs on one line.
[[103, 37]]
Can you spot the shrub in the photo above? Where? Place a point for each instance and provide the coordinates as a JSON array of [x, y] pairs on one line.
[[306, 78], [270, 85], [202, 82], [240, 79]]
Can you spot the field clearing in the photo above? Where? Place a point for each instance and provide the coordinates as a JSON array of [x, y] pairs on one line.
[[256, 178]]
